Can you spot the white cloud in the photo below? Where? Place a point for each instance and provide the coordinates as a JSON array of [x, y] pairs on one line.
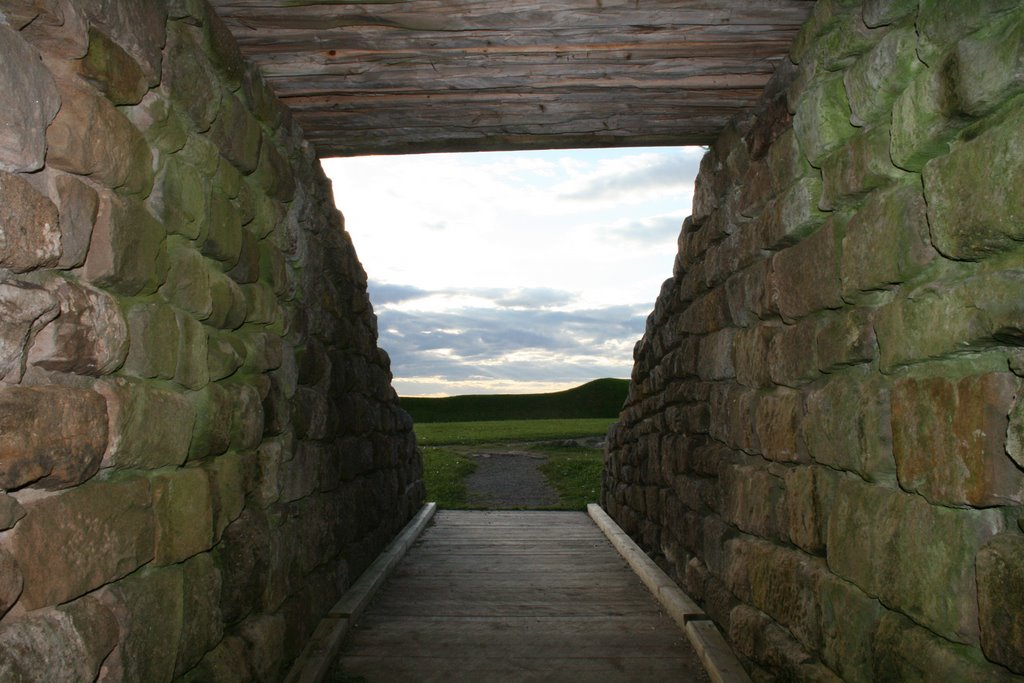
[[546, 263]]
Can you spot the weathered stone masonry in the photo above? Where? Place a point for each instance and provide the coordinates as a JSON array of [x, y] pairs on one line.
[[199, 445], [823, 442]]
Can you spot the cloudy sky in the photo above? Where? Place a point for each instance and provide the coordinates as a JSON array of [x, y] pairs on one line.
[[514, 272]]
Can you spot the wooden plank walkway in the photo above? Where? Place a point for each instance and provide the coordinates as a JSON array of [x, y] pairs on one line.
[[515, 596]]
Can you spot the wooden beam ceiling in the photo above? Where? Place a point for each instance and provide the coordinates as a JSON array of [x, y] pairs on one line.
[[407, 76]]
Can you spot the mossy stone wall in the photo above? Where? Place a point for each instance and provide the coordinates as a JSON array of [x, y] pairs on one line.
[[822, 442], [200, 448]]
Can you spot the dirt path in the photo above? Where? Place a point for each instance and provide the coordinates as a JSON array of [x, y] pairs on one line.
[[506, 480]]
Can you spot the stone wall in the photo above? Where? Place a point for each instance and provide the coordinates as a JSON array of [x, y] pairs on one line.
[[199, 445], [825, 433]]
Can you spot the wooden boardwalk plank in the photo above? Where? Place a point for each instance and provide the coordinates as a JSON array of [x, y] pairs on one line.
[[515, 596]]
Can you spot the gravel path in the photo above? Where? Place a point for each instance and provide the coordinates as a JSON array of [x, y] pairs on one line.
[[506, 480]]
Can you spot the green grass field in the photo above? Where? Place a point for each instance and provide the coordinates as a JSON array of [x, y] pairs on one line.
[[463, 433], [573, 471]]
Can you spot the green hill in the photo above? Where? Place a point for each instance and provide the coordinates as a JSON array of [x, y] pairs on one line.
[[600, 398]]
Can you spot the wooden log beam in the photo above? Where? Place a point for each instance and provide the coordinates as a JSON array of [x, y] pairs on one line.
[[393, 76]]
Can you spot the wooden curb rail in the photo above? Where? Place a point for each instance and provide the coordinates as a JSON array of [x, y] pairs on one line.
[[315, 661], [718, 658]]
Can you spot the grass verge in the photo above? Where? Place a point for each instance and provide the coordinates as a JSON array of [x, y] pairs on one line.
[[444, 475], [447, 433], [575, 473]]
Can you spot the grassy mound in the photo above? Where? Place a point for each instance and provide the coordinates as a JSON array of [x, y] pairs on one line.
[[600, 398]]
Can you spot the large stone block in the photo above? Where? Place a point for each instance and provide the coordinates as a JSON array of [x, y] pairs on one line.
[[732, 416], [188, 282], [848, 426], [243, 557], [848, 622], [926, 117], [225, 353], [231, 475], [792, 356], [128, 253], [72, 543], [212, 431], [750, 295], [886, 242], [264, 637], [149, 609], [803, 520], [903, 651], [822, 119], [10, 581], [153, 349], [191, 365], [228, 662], [781, 582], [806, 275], [237, 134], [261, 304], [757, 637], [78, 204], [66, 643], [858, 167], [787, 162], [183, 508], [89, 136], [845, 339], [946, 317], [29, 226], [150, 427], [247, 417], [990, 65], [138, 26], [300, 476], [1001, 600], [915, 557], [180, 198], [189, 78], [779, 423], [88, 337], [114, 73], [274, 173], [752, 498], [792, 216], [24, 308], [247, 270], [881, 74], [310, 413], [11, 511], [223, 49], [973, 205], [159, 123], [51, 437], [715, 359], [30, 103], [223, 239], [202, 625], [752, 348], [949, 439], [229, 306], [885, 12], [940, 24]]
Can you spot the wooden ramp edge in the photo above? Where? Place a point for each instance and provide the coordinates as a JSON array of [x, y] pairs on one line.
[[715, 654], [315, 660]]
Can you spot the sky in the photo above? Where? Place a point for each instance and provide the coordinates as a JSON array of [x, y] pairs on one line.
[[514, 272]]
